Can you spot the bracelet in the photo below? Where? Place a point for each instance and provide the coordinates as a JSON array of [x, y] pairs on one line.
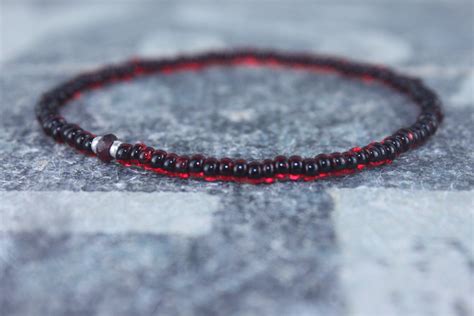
[[108, 147]]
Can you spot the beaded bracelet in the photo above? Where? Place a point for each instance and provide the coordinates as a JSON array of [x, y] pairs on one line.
[[108, 147]]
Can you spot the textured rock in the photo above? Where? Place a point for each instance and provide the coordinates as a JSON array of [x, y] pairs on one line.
[[400, 235]]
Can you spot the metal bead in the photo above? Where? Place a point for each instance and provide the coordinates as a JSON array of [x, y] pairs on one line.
[[113, 149], [95, 142]]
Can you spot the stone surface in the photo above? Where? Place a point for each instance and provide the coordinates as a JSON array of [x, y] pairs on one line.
[[80, 237]]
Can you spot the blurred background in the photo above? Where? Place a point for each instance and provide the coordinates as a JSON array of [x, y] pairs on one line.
[[78, 237]]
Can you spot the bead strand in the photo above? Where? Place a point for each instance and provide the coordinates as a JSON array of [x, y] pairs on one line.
[[108, 147]]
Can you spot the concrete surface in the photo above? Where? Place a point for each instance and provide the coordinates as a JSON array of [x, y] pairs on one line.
[[78, 237]]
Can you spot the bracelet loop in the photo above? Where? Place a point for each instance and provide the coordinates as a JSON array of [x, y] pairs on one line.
[[108, 147]]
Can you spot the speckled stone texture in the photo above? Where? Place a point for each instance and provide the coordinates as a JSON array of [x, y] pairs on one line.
[[80, 237]]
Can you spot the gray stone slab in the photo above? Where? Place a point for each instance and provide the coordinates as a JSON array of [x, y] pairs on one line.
[[385, 31], [76, 236]]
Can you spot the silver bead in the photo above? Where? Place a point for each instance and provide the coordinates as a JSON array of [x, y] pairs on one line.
[[113, 149], [94, 143]]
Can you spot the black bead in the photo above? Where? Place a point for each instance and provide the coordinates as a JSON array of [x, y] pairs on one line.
[[427, 128], [268, 169], [80, 139], [427, 117], [433, 125], [226, 166], [296, 164], [145, 156], [375, 152], [136, 150], [170, 162], [254, 170], [56, 132], [123, 152], [395, 142], [324, 163], [182, 164], [404, 141], [43, 114], [310, 167], [372, 154], [382, 150], [338, 162], [87, 144], [418, 135], [423, 129], [211, 167], [361, 157], [71, 136], [281, 165], [240, 168], [429, 125], [390, 149], [51, 123], [409, 134], [351, 159], [158, 158], [196, 163], [67, 130]]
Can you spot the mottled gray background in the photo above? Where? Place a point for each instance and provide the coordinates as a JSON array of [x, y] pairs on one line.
[[79, 237]]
